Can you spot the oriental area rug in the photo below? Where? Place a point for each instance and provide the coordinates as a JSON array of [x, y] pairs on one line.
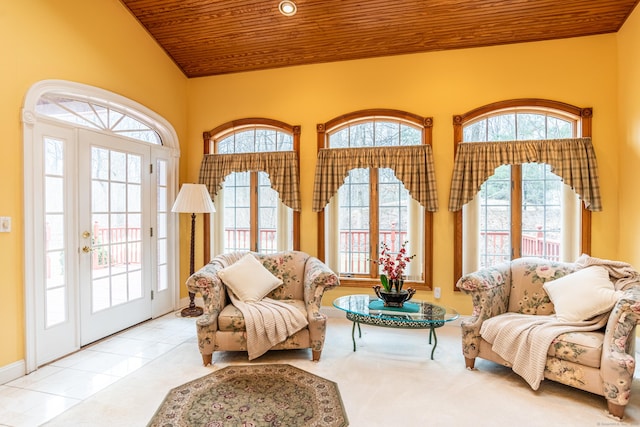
[[253, 396]]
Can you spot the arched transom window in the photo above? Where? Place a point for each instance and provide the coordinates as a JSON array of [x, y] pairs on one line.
[[96, 116]]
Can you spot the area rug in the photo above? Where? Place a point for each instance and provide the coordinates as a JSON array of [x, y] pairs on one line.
[[253, 396]]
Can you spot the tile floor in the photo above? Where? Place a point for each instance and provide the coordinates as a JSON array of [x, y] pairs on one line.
[[37, 398]]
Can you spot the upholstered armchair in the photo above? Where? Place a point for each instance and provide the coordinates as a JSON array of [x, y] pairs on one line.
[[222, 326], [600, 361]]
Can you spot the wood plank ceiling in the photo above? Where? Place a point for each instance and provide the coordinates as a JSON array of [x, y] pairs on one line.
[[211, 37]]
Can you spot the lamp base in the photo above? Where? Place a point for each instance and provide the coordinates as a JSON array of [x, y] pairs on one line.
[[192, 312]]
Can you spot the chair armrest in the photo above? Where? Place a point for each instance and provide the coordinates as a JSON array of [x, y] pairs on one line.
[[489, 289], [618, 350], [318, 278], [206, 282]]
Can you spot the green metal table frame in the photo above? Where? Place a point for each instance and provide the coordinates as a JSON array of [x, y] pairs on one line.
[[387, 322]]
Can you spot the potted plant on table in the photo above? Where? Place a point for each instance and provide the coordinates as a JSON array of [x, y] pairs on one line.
[[392, 276]]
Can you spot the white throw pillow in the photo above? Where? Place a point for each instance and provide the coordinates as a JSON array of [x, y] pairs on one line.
[[249, 280], [582, 294]]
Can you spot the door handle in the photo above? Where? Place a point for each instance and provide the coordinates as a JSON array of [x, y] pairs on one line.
[[87, 249], [86, 234]]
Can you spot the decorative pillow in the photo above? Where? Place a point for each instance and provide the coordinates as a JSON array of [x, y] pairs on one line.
[[248, 279], [582, 294]]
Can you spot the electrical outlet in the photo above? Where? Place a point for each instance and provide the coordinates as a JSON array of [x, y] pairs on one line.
[[436, 293], [5, 224]]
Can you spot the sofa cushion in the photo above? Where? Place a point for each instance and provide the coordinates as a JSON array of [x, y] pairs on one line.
[[290, 267], [583, 294], [230, 318], [248, 279], [584, 348], [528, 275]]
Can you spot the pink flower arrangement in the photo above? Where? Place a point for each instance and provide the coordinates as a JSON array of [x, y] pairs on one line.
[[393, 265]]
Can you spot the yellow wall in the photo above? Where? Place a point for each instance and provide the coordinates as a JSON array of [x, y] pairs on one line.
[[98, 43], [94, 42], [629, 138], [580, 71]]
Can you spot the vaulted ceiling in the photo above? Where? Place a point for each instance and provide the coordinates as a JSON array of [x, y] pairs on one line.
[[211, 37]]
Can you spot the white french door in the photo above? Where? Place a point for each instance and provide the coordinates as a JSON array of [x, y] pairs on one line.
[[101, 245], [115, 234], [105, 262]]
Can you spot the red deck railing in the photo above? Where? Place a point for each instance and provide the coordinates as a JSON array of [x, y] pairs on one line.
[[497, 247], [354, 246], [119, 245]]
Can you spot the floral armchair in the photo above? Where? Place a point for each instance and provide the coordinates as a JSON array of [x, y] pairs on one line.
[[222, 327], [601, 361]]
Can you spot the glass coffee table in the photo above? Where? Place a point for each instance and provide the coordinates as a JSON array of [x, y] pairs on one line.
[[369, 310]]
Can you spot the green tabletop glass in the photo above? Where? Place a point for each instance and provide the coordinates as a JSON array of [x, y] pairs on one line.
[[415, 314]]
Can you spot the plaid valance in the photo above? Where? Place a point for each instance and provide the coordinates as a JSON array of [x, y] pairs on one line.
[[282, 167], [413, 165], [573, 160]]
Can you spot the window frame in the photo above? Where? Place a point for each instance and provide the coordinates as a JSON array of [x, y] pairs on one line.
[[209, 140], [424, 123], [583, 118]]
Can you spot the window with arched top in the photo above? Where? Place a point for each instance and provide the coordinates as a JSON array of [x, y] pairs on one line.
[[375, 185], [251, 170], [96, 115], [522, 168]]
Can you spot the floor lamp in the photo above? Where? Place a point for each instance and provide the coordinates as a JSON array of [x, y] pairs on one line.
[[193, 199]]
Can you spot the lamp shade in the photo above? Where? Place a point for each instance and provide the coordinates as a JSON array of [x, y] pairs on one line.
[[193, 198]]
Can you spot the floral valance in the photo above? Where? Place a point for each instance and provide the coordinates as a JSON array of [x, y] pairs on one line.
[[413, 165], [573, 160], [282, 167]]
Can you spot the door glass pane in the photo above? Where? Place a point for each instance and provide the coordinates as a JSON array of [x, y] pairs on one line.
[[55, 231], [118, 166], [162, 281], [116, 202], [99, 163], [118, 197], [100, 196], [55, 269]]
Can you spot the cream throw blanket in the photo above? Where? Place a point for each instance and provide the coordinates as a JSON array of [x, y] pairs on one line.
[[523, 340], [268, 322]]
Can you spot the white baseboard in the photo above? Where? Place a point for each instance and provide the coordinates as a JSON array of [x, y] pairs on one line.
[[12, 371]]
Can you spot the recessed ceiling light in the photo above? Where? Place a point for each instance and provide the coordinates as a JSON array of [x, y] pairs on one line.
[[287, 8]]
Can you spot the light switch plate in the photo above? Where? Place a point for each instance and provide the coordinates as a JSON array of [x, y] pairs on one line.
[[436, 293], [5, 224]]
